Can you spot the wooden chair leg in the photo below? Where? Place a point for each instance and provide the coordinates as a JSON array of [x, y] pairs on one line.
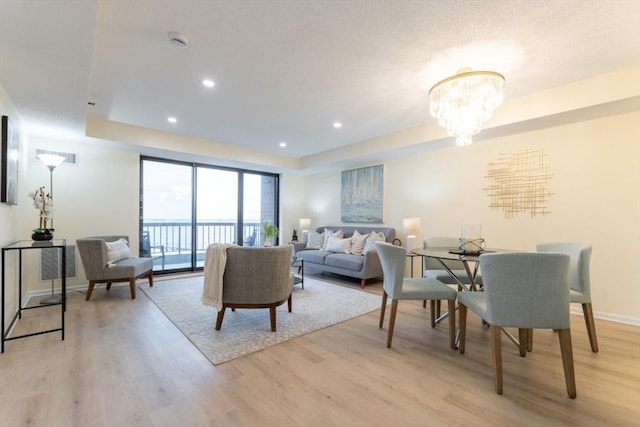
[[383, 308], [496, 350], [432, 309], [564, 335], [108, 286], [523, 340], [151, 277], [462, 312], [587, 310], [219, 318], [424, 303], [289, 303], [132, 287], [363, 283], [92, 284], [392, 321], [452, 323], [438, 309], [272, 317], [530, 340]]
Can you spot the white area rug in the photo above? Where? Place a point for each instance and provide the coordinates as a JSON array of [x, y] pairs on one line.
[[245, 331]]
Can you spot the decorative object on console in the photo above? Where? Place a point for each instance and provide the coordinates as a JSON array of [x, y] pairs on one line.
[[462, 102], [362, 195], [471, 238], [43, 202], [9, 157], [411, 229], [294, 236]]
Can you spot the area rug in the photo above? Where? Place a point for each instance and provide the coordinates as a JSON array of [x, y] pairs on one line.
[[319, 305]]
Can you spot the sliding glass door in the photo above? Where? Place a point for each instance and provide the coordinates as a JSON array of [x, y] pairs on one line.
[[186, 207]]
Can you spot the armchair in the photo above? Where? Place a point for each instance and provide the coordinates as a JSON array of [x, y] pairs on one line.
[[256, 277], [103, 265]]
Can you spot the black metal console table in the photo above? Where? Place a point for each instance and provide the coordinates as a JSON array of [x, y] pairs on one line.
[[20, 246]]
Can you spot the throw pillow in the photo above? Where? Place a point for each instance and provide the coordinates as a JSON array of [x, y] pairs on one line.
[[373, 237], [315, 240], [357, 242], [336, 244], [328, 233], [117, 250]]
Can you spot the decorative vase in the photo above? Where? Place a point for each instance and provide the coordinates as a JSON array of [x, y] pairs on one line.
[[42, 236]]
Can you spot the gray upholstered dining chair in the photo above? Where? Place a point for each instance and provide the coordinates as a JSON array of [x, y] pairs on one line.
[[107, 259], [256, 277], [398, 287], [525, 291], [579, 280]]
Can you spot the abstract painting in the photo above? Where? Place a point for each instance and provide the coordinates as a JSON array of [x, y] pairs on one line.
[[362, 195]]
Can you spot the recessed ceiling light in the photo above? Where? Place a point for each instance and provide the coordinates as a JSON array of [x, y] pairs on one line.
[[172, 120], [337, 125], [283, 144], [208, 83]]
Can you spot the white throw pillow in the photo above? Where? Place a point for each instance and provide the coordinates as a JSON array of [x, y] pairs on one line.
[[328, 233], [315, 240], [357, 242], [117, 250], [338, 245], [373, 237]]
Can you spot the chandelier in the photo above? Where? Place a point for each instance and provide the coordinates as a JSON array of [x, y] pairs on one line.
[[462, 102]]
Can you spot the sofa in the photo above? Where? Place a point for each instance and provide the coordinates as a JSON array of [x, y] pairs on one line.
[[344, 254]]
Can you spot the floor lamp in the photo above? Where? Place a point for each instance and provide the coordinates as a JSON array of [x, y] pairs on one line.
[[51, 161]]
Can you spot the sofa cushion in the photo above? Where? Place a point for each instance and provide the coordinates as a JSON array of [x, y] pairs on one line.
[[373, 237], [335, 244], [330, 233], [346, 261], [313, 256], [315, 240], [357, 243], [117, 251]]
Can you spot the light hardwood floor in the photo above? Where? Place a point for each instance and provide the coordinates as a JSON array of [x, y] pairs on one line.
[[123, 363]]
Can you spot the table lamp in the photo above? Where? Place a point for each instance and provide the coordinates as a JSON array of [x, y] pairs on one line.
[[411, 229], [305, 224]]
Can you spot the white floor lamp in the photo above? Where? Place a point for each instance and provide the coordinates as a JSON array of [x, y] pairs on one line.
[[51, 161]]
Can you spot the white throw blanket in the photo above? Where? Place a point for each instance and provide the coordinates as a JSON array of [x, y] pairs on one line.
[[214, 264]]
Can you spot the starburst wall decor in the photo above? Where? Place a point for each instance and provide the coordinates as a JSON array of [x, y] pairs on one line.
[[518, 183]]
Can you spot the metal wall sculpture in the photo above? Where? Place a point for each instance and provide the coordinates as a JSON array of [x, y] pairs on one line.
[[518, 183]]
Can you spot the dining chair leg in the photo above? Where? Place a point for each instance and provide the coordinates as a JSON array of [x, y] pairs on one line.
[[564, 335], [383, 308], [424, 303], [496, 349], [289, 303], [587, 310], [452, 323], [523, 340], [438, 308], [462, 312], [529, 339], [392, 321], [432, 309]]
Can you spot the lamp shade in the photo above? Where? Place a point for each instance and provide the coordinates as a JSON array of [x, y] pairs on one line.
[[411, 226], [51, 160], [305, 224]]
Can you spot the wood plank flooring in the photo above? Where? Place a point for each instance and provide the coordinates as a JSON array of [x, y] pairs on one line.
[[123, 363]]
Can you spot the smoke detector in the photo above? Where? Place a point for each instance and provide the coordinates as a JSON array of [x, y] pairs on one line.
[[178, 39]]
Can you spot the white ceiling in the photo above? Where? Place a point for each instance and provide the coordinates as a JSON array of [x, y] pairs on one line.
[[286, 70]]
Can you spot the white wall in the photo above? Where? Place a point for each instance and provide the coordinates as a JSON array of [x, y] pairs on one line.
[[596, 185]]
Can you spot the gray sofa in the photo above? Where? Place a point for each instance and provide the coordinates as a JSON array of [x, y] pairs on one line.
[[363, 267]]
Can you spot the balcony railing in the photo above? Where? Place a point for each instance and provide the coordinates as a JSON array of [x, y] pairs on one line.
[[175, 240]]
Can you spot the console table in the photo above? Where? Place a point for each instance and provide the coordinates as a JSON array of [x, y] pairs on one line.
[[21, 246]]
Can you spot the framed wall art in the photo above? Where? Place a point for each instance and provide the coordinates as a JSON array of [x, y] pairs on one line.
[[362, 195], [9, 163]]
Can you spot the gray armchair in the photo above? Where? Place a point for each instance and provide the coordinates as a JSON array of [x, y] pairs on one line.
[[94, 256], [256, 277]]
